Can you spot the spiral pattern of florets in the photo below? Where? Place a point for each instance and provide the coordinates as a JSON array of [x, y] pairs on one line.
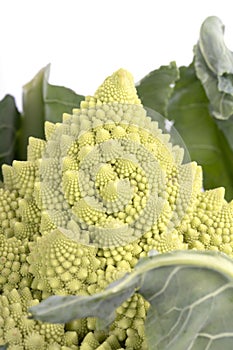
[[106, 177], [108, 174]]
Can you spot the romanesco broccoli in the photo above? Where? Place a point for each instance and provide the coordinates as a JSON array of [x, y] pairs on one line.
[[104, 189]]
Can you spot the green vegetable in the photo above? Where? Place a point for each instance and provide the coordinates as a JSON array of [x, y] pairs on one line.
[[104, 190], [83, 215]]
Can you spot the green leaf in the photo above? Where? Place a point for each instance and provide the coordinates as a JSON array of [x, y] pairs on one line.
[[33, 112], [57, 309], [190, 295], [9, 124], [214, 67], [226, 126], [206, 143], [58, 99], [191, 301], [155, 88], [43, 102]]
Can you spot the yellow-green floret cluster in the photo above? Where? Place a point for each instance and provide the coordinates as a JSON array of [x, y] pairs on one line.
[[104, 189], [22, 333]]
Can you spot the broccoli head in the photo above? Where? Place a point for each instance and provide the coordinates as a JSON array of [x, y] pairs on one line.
[[106, 187]]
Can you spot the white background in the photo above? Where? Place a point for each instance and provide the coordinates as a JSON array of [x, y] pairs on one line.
[[85, 41]]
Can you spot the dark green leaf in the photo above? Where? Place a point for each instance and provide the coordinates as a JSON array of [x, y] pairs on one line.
[[155, 89], [188, 107], [9, 124], [227, 128], [190, 295], [214, 67], [44, 102], [33, 112]]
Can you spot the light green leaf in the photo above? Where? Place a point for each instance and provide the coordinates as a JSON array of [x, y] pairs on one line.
[[62, 309], [211, 42], [191, 302], [44, 102], [206, 143], [155, 88], [190, 294], [9, 124], [214, 67]]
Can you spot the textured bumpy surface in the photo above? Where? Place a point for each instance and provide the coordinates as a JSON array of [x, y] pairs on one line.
[[104, 189]]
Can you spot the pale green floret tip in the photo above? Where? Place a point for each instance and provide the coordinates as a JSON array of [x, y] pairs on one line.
[[103, 190], [119, 87]]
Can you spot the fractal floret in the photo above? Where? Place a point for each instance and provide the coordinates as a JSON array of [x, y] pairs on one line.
[[104, 189]]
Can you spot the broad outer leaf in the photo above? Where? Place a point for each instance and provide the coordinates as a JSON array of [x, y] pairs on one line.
[[155, 88], [58, 99], [33, 113], [190, 294], [226, 126], [188, 107], [44, 102], [9, 123], [191, 302], [214, 67], [62, 309]]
